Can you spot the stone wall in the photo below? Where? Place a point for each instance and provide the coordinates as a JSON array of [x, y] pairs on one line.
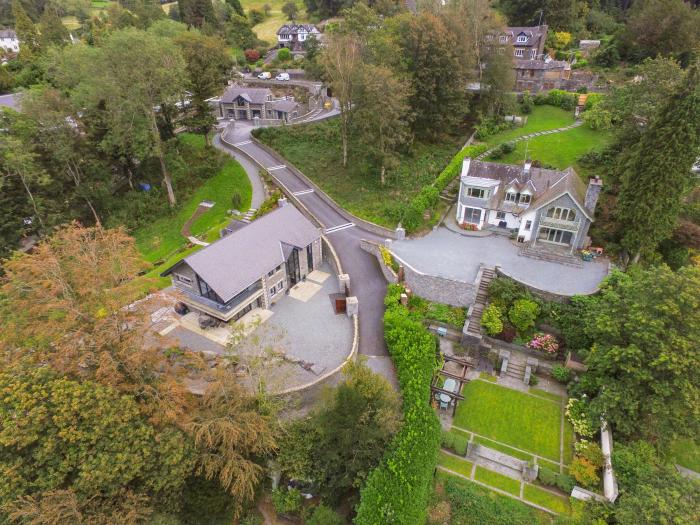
[[542, 294], [374, 249]]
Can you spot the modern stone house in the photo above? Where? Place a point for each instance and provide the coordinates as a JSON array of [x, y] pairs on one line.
[[540, 206], [527, 42], [248, 103], [293, 36], [251, 268]]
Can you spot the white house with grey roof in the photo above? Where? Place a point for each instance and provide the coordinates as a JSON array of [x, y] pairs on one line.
[[251, 268], [248, 103], [293, 36], [541, 206], [9, 41]]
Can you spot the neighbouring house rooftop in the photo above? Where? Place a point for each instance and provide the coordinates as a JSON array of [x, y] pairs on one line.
[[8, 33], [541, 64], [534, 34], [544, 184], [11, 101], [293, 29], [250, 94], [233, 263], [285, 105]]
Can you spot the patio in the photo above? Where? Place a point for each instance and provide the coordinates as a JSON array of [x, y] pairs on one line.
[[448, 254], [295, 343]]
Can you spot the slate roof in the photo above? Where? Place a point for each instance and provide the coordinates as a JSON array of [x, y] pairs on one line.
[[544, 184], [295, 29], [536, 35], [11, 101], [235, 262], [286, 106], [252, 95], [8, 33]]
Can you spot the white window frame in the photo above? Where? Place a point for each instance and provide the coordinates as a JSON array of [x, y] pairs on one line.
[[503, 39], [519, 52], [521, 39], [183, 279], [528, 225], [482, 193], [525, 198], [501, 215], [471, 213], [511, 196], [561, 213]]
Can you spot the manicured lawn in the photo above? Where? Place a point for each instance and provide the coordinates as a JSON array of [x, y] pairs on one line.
[[541, 497], [472, 504], [544, 394], [551, 465], [316, 150], [487, 377], [161, 238], [497, 480], [686, 453], [455, 464], [560, 150], [267, 29], [503, 448], [514, 418], [542, 118]]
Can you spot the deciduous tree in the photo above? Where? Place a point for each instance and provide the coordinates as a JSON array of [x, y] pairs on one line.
[[290, 10]]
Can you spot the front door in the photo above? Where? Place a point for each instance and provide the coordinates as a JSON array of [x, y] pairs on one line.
[[293, 273]]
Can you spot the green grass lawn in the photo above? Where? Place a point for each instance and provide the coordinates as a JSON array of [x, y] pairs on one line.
[[560, 150], [267, 29], [455, 464], [546, 395], [497, 480], [546, 499], [686, 453], [503, 448], [161, 243], [316, 150], [542, 118], [511, 417]]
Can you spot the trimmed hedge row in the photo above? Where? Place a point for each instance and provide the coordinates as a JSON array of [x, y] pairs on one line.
[[428, 197], [398, 491]]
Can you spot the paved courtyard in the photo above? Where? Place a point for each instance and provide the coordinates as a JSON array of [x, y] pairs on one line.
[[299, 340], [448, 254]]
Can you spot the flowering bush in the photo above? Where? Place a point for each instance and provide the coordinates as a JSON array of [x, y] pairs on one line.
[[545, 343], [469, 226], [576, 412], [584, 472], [492, 320]]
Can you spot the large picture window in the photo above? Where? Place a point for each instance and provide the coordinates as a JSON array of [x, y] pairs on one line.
[[477, 193], [565, 214], [556, 236], [472, 215]]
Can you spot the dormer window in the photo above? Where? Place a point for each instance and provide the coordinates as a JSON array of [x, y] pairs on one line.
[[511, 197], [522, 39], [477, 193], [525, 198], [503, 39]]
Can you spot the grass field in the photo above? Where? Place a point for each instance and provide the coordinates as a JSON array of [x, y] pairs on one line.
[[546, 499], [267, 30], [542, 118], [497, 480], [511, 417], [686, 453], [315, 149], [455, 464], [161, 241], [503, 448]]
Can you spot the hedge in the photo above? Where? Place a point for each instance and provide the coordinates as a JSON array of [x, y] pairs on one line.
[[398, 491], [428, 197]]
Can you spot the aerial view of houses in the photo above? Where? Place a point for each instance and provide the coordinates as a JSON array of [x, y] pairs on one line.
[[327, 263]]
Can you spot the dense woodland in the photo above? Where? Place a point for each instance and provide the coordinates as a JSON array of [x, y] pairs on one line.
[[97, 129]]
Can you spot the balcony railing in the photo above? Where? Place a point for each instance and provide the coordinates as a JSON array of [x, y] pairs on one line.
[[223, 308], [560, 224]]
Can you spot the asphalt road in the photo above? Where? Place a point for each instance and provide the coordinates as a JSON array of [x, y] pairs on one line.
[[366, 280]]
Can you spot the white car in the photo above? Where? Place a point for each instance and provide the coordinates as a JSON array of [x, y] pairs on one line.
[[282, 76], [265, 75]]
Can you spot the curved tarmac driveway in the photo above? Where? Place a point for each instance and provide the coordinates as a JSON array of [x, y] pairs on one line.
[[366, 279]]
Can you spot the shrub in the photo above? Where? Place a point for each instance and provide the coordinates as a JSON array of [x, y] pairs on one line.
[[457, 443], [399, 489], [584, 472], [284, 54], [526, 103], [323, 515], [598, 118], [492, 320], [286, 501], [590, 451], [504, 292], [236, 200], [547, 476], [255, 16], [578, 415], [393, 295], [252, 55], [507, 147], [544, 343], [523, 314], [565, 483], [634, 462], [561, 373], [551, 478], [491, 126]]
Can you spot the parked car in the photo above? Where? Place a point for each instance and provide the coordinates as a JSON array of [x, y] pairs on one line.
[[282, 76], [265, 75]]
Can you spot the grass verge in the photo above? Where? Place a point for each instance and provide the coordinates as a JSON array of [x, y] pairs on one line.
[[542, 118], [499, 481], [546, 499], [503, 448], [455, 464], [545, 395], [511, 417]]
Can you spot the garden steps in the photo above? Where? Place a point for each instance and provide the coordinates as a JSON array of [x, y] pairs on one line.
[[477, 309]]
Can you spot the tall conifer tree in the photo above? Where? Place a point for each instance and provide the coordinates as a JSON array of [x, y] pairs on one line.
[[656, 175]]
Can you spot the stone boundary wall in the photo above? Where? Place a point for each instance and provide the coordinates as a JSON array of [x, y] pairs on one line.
[[438, 289], [547, 296], [365, 225], [373, 248], [334, 259]]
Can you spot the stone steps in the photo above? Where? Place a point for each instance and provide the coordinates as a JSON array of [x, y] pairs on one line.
[[474, 325], [545, 255]]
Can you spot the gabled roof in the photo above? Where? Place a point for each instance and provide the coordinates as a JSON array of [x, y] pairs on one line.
[[535, 35], [252, 95], [544, 184], [235, 262], [8, 33], [285, 106], [295, 29]]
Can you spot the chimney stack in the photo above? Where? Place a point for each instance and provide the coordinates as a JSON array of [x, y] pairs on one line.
[[527, 166], [595, 185]]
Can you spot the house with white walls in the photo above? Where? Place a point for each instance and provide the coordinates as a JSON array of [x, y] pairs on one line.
[[9, 41], [539, 206]]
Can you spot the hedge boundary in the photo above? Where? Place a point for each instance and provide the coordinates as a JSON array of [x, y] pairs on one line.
[[398, 490]]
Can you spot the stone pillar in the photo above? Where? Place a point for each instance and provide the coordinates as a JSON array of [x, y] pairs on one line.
[[282, 202], [400, 233], [343, 282], [404, 299], [352, 306]]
